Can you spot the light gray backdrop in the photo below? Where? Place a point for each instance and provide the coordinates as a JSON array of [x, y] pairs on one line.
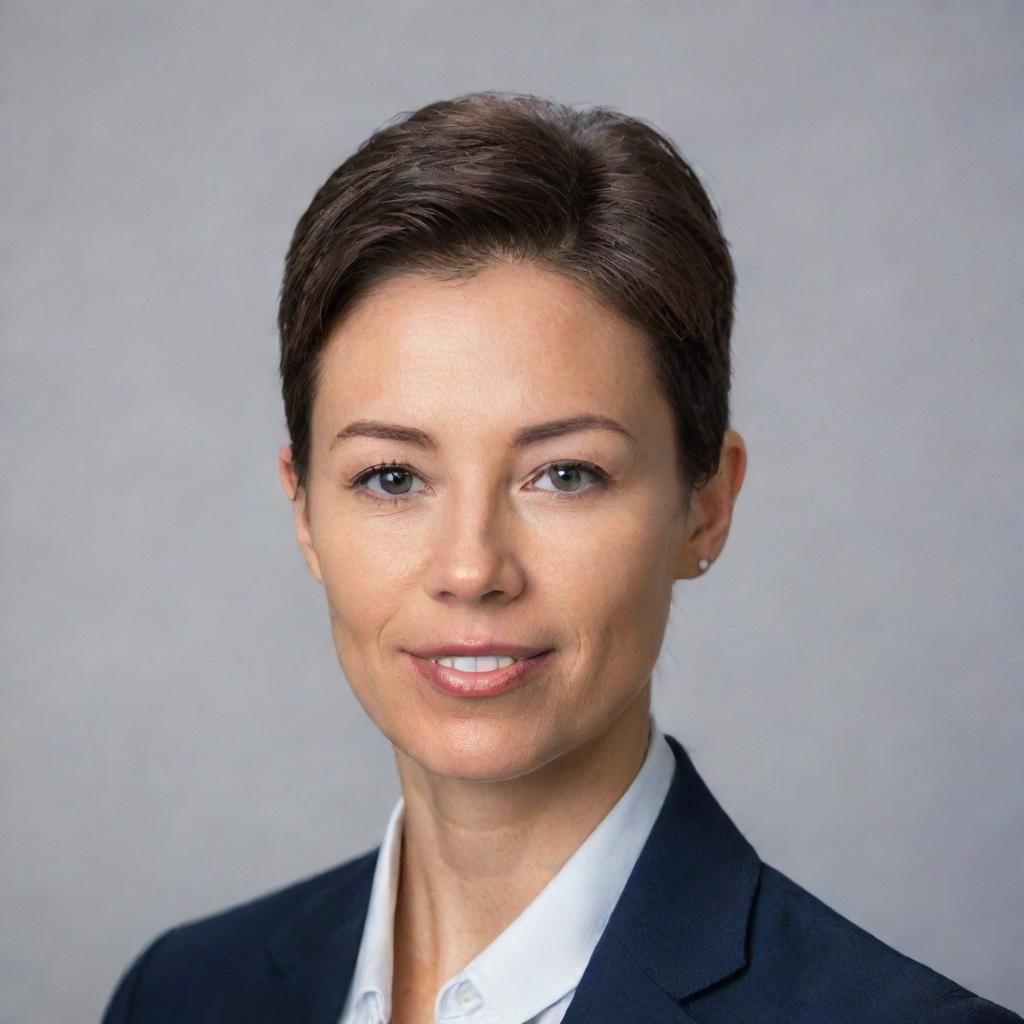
[[177, 734]]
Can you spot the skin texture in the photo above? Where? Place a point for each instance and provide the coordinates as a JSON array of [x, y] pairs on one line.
[[490, 540]]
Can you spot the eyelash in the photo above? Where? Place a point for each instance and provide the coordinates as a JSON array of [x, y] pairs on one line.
[[359, 483]]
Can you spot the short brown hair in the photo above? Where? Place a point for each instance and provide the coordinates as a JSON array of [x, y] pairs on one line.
[[462, 184]]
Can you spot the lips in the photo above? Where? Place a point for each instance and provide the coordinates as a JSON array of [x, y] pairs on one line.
[[484, 647], [452, 682]]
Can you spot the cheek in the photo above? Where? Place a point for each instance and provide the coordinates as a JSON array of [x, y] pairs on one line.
[[623, 552], [361, 602], [364, 556], [613, 581]]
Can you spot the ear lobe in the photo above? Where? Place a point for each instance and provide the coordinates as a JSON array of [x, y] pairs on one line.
[[713, 507], [297, 495], [286, 471], [304, 536], [692, 542]]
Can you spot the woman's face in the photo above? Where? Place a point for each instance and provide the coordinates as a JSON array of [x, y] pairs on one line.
[[472, 535]]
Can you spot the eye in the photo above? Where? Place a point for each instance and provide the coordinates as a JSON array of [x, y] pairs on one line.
[[396, 481], [568, 473], [393, 475]]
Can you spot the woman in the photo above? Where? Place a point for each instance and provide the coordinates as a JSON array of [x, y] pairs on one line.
[[505, 361]]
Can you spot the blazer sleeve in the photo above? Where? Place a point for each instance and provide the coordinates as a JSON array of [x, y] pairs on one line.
[[971, 1010], [121, 1004]]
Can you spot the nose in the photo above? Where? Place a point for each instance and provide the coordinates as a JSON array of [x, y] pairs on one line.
[[473, 555]]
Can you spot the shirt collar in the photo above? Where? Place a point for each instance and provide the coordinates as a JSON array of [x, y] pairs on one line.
[[371, 982], [553, 938]]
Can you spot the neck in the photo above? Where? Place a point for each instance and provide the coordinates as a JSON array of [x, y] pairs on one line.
[[475, 855]]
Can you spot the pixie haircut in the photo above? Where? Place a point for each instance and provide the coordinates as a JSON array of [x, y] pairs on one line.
[[464, 184]]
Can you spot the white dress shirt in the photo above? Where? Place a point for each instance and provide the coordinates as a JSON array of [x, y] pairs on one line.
[[529, 973]]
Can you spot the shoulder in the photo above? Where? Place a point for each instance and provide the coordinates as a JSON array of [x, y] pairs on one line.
[[228, 954], [811, 965]]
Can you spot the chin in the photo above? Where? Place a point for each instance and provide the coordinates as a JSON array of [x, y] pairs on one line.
[[473, 752]]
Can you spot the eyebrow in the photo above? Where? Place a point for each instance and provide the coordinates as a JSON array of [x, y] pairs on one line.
[[526, 436]]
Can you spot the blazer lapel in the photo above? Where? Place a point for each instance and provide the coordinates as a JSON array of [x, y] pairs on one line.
[[315, 950], [681, 922]]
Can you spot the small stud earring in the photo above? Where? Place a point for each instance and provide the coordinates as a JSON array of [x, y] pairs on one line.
[[703, 564]]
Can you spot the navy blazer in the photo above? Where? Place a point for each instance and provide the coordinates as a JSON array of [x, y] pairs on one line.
[[703, 932]]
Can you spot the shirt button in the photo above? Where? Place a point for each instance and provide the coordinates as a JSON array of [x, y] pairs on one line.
[[467, 995]]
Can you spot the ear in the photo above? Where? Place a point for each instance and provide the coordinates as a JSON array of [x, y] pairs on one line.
[[299, 498], [707, 525]]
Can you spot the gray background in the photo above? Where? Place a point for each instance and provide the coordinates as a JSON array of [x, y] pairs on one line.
[[177, 734]]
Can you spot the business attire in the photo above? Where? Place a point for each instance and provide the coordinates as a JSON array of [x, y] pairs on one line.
[[664, 915], [529, 973]]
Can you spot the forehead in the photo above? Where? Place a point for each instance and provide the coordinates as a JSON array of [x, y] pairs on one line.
[[514, 337]]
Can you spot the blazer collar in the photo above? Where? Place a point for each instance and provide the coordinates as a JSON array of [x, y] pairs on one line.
[[679, 926], [681, 923], [316, 946]]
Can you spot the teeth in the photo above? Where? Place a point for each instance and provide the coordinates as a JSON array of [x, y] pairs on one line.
[[475, 664]]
